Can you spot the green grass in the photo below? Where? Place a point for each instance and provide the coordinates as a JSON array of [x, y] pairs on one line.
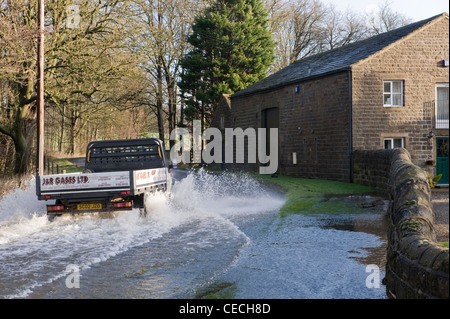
[[65, 164], [444, 243], [315, 196]]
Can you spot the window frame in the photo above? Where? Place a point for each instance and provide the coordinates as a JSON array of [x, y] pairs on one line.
[[440, 123], [392, 140], [392, 94]]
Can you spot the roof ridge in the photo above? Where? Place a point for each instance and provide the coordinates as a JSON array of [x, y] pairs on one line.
[[417, 25], [384, 34], [337, 59]]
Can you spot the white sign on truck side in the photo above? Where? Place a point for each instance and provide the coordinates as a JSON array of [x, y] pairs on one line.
[[147, 177]]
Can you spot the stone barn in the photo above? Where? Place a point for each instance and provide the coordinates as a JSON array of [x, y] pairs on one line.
[[387, 91]]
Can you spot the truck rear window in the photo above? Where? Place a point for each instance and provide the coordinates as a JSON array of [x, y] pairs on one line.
[[103, 156]]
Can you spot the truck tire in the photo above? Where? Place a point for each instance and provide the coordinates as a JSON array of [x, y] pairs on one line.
[[51, 217], [142, 206]]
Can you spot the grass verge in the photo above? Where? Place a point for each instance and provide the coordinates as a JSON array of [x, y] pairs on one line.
[[315, 196]]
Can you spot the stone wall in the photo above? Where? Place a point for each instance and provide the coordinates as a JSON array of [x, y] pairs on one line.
[[417, 266], [371, 168]]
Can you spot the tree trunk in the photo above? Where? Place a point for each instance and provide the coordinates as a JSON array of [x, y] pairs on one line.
[[72, 136], [159, 101], [18, 133], [172, 95], [22, 153], [61, 132]]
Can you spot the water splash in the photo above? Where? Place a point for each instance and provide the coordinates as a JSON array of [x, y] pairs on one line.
[[35, 252], [21, 214]]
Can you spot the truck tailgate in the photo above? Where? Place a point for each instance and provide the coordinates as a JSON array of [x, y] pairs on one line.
[[83, 184]]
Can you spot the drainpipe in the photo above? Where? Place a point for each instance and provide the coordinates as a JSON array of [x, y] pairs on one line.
[[350, 122]]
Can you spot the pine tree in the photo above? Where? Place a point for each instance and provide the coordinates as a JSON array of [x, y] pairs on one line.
[[231, 49]]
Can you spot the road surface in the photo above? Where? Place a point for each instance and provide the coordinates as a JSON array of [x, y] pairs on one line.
[[218, 235]]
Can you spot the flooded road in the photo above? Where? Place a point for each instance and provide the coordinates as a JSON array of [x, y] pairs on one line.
[[217, 236]]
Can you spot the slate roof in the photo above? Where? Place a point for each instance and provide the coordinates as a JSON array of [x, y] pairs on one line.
[[334, 60]]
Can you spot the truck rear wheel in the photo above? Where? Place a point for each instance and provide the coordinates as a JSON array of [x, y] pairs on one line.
[[141, 204], [51, 217]]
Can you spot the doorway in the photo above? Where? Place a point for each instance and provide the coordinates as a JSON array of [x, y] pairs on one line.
[[442, 159]]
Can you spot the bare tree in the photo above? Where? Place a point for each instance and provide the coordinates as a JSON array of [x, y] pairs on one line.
[[382, 19], [279, 18], [163, 29], [340, 28], [17, 69], [85, 59], [296, 28], [305, 27]]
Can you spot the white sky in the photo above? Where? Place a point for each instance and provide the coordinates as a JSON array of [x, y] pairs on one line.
[[415, 9]]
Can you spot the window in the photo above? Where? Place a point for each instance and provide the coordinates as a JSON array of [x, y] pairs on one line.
[[390, 143], [442, 105], [393, 93]]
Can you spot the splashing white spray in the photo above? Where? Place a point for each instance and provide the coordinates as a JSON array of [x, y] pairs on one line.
[[35, 252]]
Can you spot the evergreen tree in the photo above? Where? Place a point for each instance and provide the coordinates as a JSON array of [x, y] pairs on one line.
[[232, 48]]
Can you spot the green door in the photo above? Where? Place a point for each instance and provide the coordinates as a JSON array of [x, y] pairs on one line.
[[442, 159]]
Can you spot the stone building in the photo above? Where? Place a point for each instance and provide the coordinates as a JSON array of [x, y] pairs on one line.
[[387, 91]]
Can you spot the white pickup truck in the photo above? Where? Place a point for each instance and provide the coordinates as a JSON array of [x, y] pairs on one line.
[[118, 175]]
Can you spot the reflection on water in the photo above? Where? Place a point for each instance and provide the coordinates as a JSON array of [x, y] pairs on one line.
[[305, 257]]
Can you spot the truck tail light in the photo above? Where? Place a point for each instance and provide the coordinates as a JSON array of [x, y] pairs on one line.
[[55, 208], [125, 193], [46, 196], [122, 205]]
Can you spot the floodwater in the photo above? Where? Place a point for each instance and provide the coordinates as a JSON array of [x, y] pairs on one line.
[[216, 236]]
